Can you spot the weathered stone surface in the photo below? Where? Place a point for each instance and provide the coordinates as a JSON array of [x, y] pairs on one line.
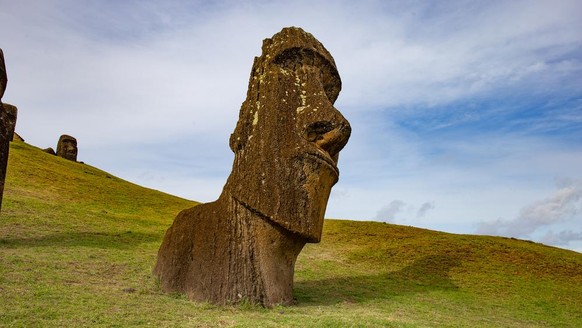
[[7, 122], [11, 115], [67, 148], [49, 150], [286, 144]]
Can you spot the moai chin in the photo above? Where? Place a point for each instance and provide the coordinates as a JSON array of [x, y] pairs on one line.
[[67, 148], [286, 143]]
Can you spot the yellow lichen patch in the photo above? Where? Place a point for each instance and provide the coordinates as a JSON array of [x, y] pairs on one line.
[[284, 72]]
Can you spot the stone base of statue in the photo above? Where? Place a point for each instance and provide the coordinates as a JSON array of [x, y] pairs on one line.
[[223, 253]]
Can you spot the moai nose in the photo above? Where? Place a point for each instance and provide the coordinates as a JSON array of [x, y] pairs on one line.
[[330, 136]]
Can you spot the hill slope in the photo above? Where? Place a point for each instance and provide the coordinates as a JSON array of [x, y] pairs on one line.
[[77, 247]]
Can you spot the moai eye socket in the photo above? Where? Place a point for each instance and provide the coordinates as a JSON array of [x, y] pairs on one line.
[[294, 58]]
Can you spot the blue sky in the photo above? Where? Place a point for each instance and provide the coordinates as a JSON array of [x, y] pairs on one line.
[[466, 115]]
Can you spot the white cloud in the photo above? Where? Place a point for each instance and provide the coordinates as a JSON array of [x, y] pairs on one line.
[[471, 179], [162, 66], [425, 208], [388, 212], [562, 238], [562, 206], [436, 53], [403, 210]]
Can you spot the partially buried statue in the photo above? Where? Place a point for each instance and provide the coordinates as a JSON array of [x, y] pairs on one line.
[[11, 115], [286, 143], [67, 148], [7, 124]]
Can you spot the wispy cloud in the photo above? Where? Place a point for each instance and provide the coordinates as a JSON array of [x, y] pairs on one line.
[[424, 208], [561, 238], [388, 212], [403, 210], [564, 205]]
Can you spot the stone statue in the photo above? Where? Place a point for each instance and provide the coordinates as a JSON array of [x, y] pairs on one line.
[[12, 113], [286, 143], [7, 124], [67, 148], [49, 150]]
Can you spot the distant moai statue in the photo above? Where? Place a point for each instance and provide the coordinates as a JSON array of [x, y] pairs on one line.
[[7, 125], [12, 113], [286, 143], [49, 150], [67, 148]]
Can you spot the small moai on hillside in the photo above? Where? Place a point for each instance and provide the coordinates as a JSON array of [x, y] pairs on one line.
[[67, 148], [49, 150], [243, 246], [7, 124]]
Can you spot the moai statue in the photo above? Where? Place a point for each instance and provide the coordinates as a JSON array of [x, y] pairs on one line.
[[286, 143], [7, 124], [12, 113], [49, 150], [67, 148]]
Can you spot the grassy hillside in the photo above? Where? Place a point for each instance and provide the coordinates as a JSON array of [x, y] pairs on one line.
[[77, 247]]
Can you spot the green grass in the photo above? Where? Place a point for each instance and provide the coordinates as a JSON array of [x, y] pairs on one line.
[[77, 247]]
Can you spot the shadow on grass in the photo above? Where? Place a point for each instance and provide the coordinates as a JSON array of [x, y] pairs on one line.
[[123, 240], [426, 274]]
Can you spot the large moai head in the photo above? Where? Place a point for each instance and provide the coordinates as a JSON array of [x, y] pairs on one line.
[[289, 134], [67, 147]]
